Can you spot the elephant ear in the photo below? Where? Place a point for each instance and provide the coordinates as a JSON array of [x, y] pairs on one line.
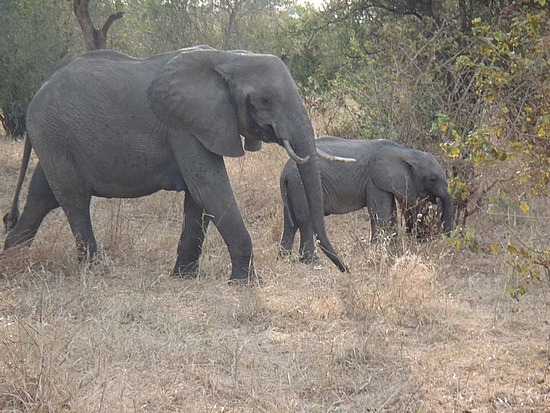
[[189, 94], [393, 171]]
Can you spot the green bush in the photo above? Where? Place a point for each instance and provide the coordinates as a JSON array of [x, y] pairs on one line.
[[34, 37]]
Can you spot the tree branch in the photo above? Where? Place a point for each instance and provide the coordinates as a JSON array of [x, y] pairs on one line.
[[94, 38], [112, 18]]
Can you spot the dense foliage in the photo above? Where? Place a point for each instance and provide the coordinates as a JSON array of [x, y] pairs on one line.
[[34, 37]]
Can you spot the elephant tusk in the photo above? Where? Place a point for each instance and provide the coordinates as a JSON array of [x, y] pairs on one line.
[[293, 155], [333, 158]]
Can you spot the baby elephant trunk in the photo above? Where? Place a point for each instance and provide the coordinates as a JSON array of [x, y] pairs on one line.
[[447, 214]]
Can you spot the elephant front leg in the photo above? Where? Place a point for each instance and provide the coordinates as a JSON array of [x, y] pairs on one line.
[[240, 248], [191, 240], [208, 184], [383, 214]]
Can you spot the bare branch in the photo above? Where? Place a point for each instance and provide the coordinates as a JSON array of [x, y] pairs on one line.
[[112, 18], [94, 38]]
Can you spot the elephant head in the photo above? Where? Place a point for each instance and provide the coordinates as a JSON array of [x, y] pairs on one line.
[[410, 174], [241, 94]]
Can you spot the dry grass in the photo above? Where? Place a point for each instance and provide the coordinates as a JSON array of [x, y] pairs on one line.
[[413, 328]]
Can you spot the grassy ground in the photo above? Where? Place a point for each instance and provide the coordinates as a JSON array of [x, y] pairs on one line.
[[415, 327]]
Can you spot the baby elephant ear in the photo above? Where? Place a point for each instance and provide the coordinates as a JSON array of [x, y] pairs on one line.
[[392, 172], [188, 94]]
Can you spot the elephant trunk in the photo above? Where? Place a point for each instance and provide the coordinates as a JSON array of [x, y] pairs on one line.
[[311, 179], [447, 213]]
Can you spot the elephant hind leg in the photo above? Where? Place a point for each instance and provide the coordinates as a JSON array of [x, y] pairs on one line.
[[289, 234], [81, 226], [77, 210], [74, 196], [191, 240], [40, 201]]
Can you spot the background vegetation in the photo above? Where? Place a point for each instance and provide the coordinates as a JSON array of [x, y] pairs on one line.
[[417, 327]]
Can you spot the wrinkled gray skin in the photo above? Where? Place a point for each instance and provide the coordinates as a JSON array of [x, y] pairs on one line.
[[109, 125], [384, 171]]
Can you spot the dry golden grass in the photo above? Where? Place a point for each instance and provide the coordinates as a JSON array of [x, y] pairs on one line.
[[413, 328]]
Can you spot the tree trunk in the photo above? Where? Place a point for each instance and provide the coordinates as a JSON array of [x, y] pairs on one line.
[[94, 38]]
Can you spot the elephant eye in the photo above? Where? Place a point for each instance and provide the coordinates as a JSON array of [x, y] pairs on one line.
[[266, 101]]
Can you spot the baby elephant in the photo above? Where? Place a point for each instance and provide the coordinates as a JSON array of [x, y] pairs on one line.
[[384, 171]]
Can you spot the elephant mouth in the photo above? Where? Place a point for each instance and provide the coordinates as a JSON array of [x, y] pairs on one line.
[[265, 133]]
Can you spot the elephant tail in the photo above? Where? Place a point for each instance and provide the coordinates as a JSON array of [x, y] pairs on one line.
[[289, 214], [10, 219]]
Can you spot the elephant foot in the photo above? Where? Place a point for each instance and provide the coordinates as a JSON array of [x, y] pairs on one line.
[[96, 266], [10, 220], [284, 254], [189, 271], [310, 259], [252, 281], [249, 277]]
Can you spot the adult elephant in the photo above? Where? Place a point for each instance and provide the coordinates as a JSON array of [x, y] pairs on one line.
[[384, 171], [110, 125]]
